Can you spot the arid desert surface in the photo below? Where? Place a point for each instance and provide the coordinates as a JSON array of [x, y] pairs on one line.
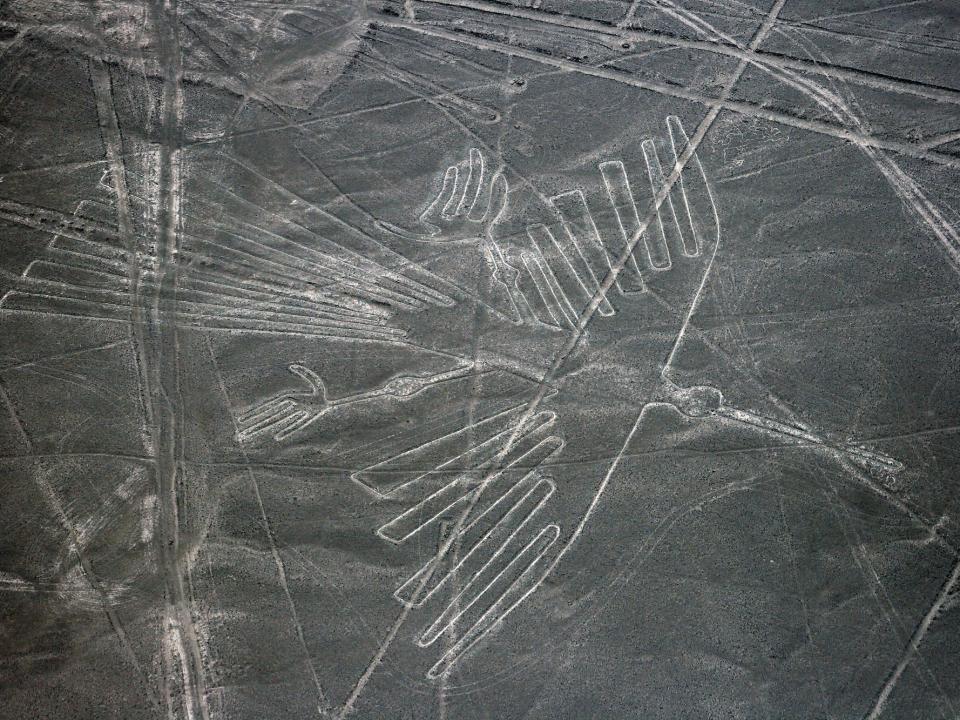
[[474, 359]]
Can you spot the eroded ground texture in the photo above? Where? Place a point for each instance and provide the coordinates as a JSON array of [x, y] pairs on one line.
[[468, 359]]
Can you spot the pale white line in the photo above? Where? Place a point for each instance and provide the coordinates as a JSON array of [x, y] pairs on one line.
[[914, 645]]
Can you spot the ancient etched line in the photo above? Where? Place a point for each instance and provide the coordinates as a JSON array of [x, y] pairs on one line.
[[658, 246], [239, 300], [368, 475], [85, 247], [194, 323], [739, 107], [274, 549], [301, 125], [436, 55], [60, 256], [413, 289], [442, 552], [422, 515], [478, 456], [938, 140], [432, 509], [284, 415], [162, 377], [445, 532], [847, 74], [559, 271], [705, 400], [398, 445], [82, 269], [76, 547], [467, 209], [551, 273], [198, 315], [355, 242], [567, 285], [523, 282], [521, 576], [318, 286], [424, 88], [44, 271], [680, 221], [282, 267], [241, 327], [58, 306], [628, 221], [14, 417], [113, 143], [58, 356], [552, 298], [902, 184], [485, 536], [869, 459], [913, 647], [234, 301], [115, 307], [697, 207], [296, 297], [479, 582], [252, 246], [109, 293], [528, 569], [580, 244], [106, 303], [55, 222], [286, 259]]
